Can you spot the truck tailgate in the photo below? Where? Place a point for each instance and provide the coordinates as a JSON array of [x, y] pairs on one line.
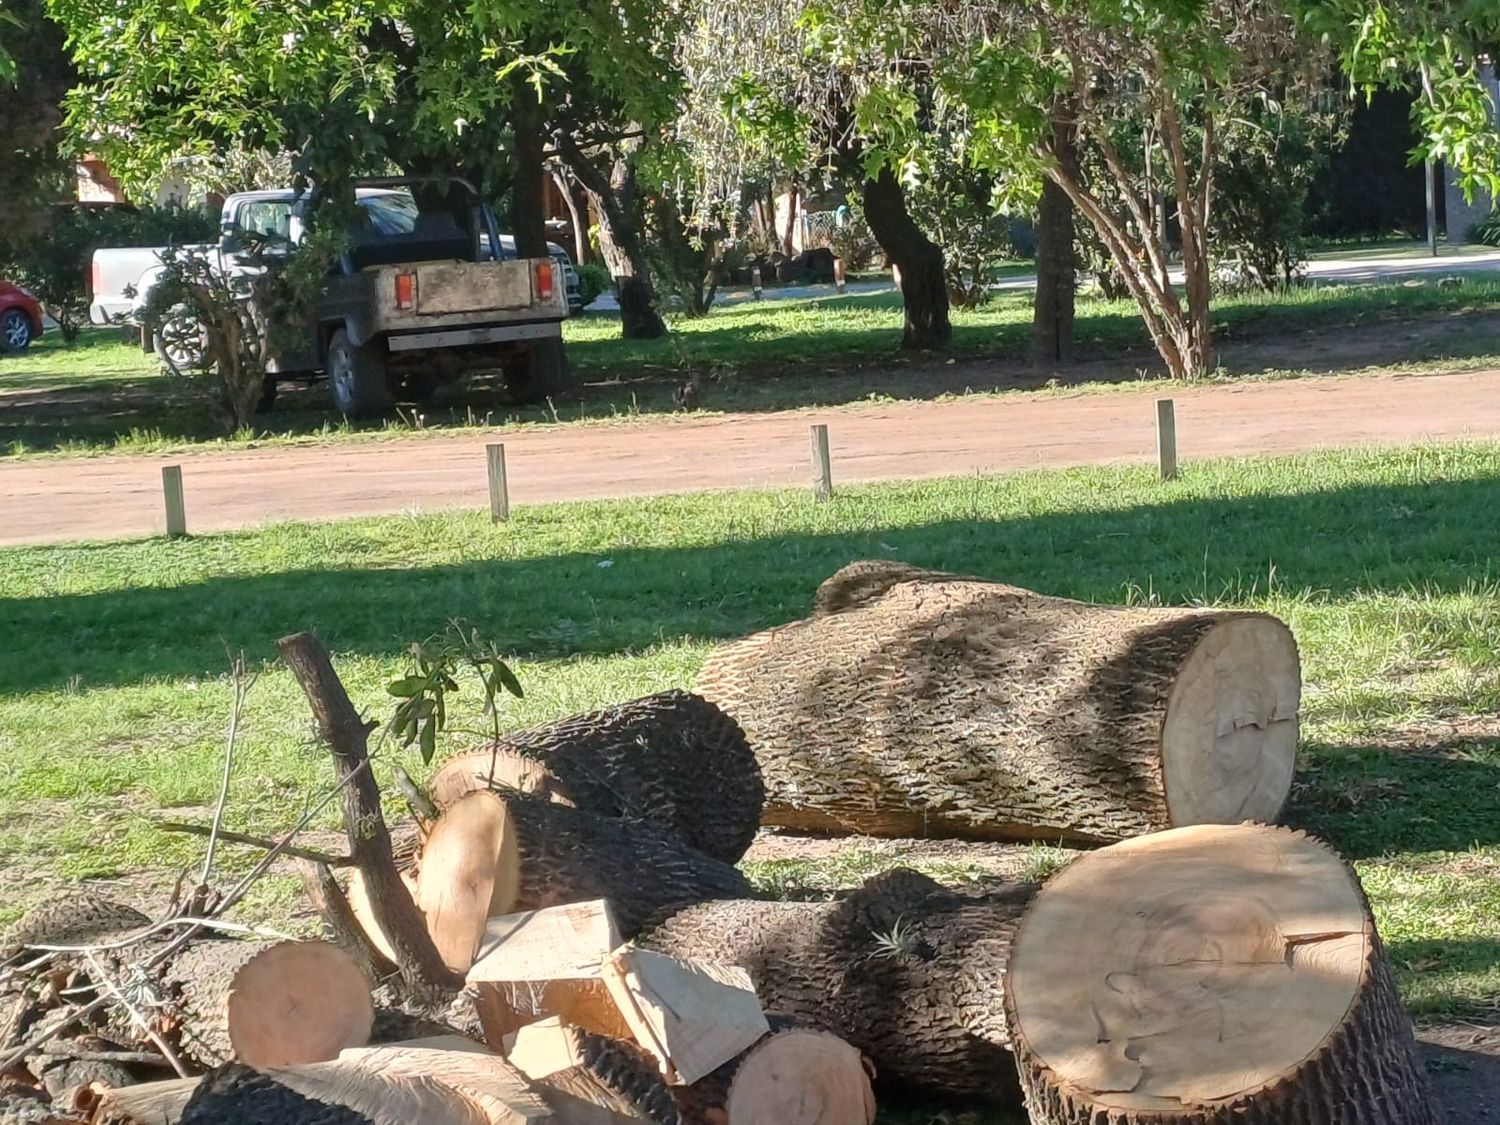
[[462, 287]]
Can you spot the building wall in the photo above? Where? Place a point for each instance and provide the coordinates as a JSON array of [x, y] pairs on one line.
[[1463, 214]]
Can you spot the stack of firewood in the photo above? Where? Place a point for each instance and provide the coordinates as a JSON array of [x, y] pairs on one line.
[[560, 931]]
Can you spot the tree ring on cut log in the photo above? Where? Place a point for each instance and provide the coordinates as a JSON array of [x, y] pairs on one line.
[[470, 871], [298, 1002], [1229, 736], [801, 1077], [470, 772], [1188, 970]]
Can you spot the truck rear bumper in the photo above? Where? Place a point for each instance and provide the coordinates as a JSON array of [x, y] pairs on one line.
[[464, 337]]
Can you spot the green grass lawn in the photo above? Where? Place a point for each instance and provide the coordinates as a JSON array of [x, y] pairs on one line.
[[105, 395], [113, 696]]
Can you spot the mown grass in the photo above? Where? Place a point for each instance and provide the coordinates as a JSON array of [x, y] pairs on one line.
[[107, 396], [113, 695]]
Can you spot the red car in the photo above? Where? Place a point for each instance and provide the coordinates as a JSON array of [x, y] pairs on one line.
[[20, 319]]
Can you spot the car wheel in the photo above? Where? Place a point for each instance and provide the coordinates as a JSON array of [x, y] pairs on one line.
[[15, 332], [179, 342], [357, 378]]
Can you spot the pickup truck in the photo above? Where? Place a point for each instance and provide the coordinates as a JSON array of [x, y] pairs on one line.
[[425, 292]]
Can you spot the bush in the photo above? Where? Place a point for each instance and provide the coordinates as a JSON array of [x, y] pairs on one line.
[[593, 280], [54, 264], [955, 207], [854, 243], [1487, 230]]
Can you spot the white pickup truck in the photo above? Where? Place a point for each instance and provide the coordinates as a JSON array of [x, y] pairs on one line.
[[427, 290]]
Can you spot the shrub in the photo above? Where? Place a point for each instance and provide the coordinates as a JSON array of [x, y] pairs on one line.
[[1487, 230], [593, 280]]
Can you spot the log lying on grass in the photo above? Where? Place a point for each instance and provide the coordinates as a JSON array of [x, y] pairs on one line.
[[489, 855], [1210, 976], [591, 1079], [905, 970], [268, 1003], [672, 759], [920, 704]]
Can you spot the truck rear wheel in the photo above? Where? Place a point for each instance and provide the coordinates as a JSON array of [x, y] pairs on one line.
[[357, 377], [539, 371]]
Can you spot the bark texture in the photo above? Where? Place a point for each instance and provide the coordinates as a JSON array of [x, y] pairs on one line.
[[617, 1076], [905, 970], [918, 704], [238, 1095], [1366, 1069], [568, 855], [924, 289], [673, 760], [72, 919]]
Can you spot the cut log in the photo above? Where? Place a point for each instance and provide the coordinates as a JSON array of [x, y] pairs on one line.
[[489, 856], [269, 1003], [446, 1080], [926, 705], [905, 970], [591, 1079], [793, 1076], [672, 759], [1210, 976], [547, 963], [77, 918], [358, 896], [691, 1016]]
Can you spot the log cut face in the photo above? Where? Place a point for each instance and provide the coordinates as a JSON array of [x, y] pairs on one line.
[[906, 971], [915, 704], [1210, 976], [672, 759]]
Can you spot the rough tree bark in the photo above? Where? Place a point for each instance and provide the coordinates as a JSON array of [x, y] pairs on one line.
[[616, 196], [914, 703], [546, 368], [1215, 975], [924, 289], [346, 735], [1056, 263], [903, 969], [671, 759]]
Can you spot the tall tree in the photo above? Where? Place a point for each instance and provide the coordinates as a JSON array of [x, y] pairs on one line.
[[35, 74]]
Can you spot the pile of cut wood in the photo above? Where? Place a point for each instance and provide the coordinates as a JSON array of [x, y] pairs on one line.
[[560, 933]]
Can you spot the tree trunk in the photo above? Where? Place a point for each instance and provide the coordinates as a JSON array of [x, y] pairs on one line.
[[528, 187], [903, 969], [789, 240], [1210, 976], [929, 705], [488, 856], [616, 196], [924, 289], [575, 217], [673, 760], [1056, 269], [268, 1003]]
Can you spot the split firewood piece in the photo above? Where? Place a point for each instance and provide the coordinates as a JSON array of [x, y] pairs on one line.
[[445, 1080], [796, 1075], [547, 963], [693, 1016], [269, 1003], [927, 705], [905, 970], [591, 1079], [1208, 976], [672, 759], [489, 855]]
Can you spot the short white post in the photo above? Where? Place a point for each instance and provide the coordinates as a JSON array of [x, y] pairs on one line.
[[839, 282], [755, 281], [822, 464], [1166, 438], [499, 491], [171, 487]]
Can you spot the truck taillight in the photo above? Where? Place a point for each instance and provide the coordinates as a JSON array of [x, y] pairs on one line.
[[543, 270], [406, 290]]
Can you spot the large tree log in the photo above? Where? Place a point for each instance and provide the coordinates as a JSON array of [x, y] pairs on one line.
[[921, 704], [907, 971], [268, 1003], [490, 855], [591, 1079], [672, 759], [1210, 976]]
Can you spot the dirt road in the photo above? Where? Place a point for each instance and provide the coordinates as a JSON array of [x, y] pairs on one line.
[[73, 499]]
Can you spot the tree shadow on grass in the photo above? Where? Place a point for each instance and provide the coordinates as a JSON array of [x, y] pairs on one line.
[[1336, 541], [1373, 801]]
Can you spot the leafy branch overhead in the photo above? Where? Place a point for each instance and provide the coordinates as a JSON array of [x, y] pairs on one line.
[[435, 667]]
